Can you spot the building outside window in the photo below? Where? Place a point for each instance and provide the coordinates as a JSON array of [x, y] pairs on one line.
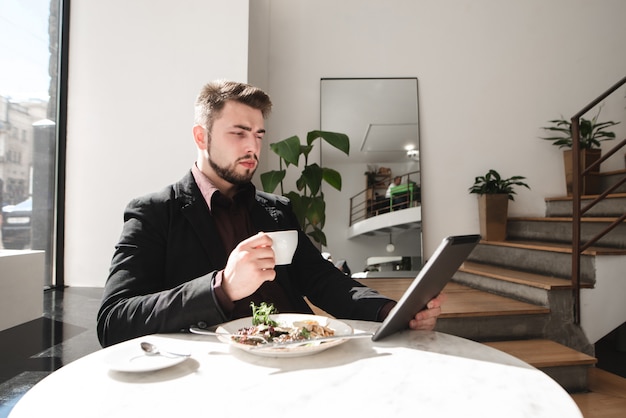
[[29, 120]]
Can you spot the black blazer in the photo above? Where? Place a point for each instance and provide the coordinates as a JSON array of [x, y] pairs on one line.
[[169, 252]]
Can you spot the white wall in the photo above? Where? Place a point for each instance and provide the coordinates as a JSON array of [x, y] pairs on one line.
[[135, 70], [602, 308], [491, 73]]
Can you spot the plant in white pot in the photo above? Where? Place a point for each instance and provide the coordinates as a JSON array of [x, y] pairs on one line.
[[494, 193], [592, 133]]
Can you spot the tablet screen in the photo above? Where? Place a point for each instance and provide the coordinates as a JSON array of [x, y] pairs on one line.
[[430, 281]]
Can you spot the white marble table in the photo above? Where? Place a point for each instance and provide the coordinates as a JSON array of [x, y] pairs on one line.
[[409, 374]]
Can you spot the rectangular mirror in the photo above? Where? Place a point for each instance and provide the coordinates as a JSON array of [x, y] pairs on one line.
[[381, 118]]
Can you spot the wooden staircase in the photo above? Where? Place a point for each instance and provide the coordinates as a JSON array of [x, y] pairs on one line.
[[596, 392], [517, 296], [534, 266]]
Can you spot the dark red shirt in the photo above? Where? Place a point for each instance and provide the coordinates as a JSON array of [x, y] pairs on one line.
[[234, 224]]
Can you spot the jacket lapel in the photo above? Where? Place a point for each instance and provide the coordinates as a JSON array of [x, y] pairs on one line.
[[265, 217], [195, 210]]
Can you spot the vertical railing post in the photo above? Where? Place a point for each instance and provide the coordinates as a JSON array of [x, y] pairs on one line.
[[576, 197], [350, 215], [576, 190]]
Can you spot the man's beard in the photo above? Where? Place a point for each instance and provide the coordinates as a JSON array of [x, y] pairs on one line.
[[230, 175]]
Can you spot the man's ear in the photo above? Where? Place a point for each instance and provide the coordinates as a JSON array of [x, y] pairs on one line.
[[199, 136]]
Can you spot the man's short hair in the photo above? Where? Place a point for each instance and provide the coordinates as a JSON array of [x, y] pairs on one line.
[[215, 94]]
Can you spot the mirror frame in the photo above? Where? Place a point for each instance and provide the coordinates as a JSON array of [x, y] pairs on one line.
[[347, 113]]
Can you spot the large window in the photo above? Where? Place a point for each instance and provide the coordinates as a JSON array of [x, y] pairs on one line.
[[30, 39]]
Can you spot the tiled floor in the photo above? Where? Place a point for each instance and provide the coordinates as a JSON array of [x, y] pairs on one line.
[[66, 332], [31, 351]]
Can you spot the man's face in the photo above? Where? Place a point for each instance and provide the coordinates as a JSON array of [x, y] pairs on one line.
[[234, 143]]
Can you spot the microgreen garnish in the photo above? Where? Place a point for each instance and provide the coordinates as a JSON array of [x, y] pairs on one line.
[[261, 314]]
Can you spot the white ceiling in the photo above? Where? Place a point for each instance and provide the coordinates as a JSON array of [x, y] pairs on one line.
[[380, 116]]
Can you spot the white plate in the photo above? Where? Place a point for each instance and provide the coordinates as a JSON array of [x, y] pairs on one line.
[[340, 328], [131, 358]]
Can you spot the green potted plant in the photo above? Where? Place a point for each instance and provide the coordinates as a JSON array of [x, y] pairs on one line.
[[592, 133], [308, 202], [494, 193]]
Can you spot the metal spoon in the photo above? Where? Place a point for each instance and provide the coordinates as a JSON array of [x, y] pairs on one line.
[[153, 350]]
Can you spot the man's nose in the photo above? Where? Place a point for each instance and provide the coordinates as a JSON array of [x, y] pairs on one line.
[[253, 143]]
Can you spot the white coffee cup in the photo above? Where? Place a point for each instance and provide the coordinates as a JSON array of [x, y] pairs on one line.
[[284, 246]]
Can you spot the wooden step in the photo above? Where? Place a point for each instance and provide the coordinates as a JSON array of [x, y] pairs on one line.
[[606, 396], [569, 368], [620, 171], [563, 219], [515, 276], [534, 288], [461, 301], [493, 316], [584, 197], [465, 302], [543, 353], [560, 229], [550, 259], [394, 288], [612, 205], [555, 247]]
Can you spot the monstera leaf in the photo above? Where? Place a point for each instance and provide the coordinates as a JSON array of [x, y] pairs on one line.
[[308, 201]]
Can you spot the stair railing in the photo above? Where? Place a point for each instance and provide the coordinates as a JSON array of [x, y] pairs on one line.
[[363, 207], [577, 211]]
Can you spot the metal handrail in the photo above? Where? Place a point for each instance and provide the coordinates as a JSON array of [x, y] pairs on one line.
[[578, 246], [361, 209]]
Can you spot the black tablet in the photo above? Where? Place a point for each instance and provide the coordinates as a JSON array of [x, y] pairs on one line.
[[430, 281]]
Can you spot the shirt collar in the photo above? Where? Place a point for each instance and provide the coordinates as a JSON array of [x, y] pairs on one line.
[[204, 184], [245, 193]]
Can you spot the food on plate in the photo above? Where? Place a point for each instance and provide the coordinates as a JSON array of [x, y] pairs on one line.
[[273, 332], [261, 314]]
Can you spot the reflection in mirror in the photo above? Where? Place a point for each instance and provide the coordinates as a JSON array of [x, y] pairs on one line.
[[380, 116]]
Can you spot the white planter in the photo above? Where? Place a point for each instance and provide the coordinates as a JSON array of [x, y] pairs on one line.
[[21, 286]]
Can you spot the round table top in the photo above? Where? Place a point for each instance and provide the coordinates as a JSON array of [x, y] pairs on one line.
[[411, 373]]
